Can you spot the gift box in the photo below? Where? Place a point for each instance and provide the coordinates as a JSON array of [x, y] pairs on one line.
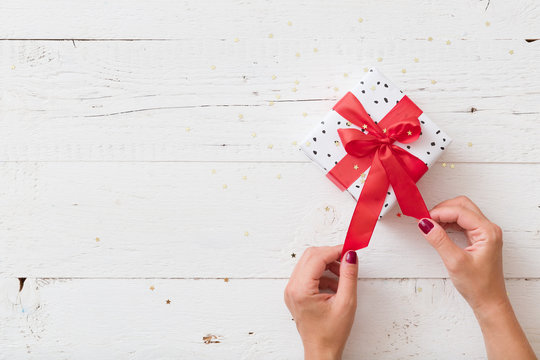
[[349, 138]]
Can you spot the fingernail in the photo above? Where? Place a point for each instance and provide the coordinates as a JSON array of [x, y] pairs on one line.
[[351, 257], [425, 225]]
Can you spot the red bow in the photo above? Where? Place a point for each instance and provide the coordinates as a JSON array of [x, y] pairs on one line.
[[390, 164]]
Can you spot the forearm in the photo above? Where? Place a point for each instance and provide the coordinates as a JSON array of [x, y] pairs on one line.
[[502, 333]]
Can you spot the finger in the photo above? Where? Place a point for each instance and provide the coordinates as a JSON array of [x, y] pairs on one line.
[[348, 280], [466, 218], [313, 262], [460, 201], [334, 267], [449, 252], [327, 283]]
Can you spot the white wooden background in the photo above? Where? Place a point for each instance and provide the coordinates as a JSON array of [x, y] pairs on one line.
[[148, 152]]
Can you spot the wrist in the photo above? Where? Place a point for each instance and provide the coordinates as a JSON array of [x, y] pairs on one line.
[[312, 352], [496, 309]]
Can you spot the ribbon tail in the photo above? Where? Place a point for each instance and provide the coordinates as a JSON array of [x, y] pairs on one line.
[[368, 208], [408, 196]]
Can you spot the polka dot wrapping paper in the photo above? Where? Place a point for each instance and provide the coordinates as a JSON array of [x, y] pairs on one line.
[[378, 96]]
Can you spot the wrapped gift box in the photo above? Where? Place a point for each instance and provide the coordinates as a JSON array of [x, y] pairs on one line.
[[378, 96]]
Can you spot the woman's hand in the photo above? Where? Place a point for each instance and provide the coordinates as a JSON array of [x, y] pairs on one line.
[[477, 273], [323, 319]]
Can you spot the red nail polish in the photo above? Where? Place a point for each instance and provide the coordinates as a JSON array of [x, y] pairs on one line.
[[351, 257], [425, 225]]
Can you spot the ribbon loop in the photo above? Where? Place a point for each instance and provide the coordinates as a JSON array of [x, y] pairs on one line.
[[389, 164]]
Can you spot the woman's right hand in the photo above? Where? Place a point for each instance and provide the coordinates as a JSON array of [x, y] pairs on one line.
[[477, 273]]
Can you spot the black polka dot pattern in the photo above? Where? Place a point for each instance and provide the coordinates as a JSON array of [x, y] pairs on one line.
[[378, 96]]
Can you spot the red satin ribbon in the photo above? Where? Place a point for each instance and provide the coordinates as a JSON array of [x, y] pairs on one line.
[[390, 164]]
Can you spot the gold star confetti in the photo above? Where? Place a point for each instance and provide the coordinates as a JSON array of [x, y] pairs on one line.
[[12, 67], [213, 67], [373, 88], [304, 114], [213, 171], [236, 39], [363, 175], [355, 167], [253, 135], [336, 142], [379, 59], [240, 116], [488, 23], [308, 143], [274, 77], [404, 70], [365, 69], [336, 88], [384, 130], [448, 42], [297, 54], [409, 132], [511, 52], [296, 82], [452, 166], [416, 60], [430, 39], [270, 36], [294, 89], [270, 146], [362, 180], [271, 103], [469, 144], [289, 23], [360, 20], [278, 176], [327, 208], [345, 75], [278, 96], [246, 233], [294, 143], [224, 186], [433, 82], [152, 288], [364, 126], [315, 50], [167, 301], [98, 239], [188, 129], [293, 255], [419, 289], [443, 164], [244, 177]]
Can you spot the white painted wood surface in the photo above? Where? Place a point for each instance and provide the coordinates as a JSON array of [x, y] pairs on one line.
[[120, 123]]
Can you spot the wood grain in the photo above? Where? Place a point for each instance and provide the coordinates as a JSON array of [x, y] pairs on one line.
[[128, 101], [166, 19], [177, 220], [121, 122], [124, 319]]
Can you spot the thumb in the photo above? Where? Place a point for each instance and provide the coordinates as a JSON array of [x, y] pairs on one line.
[[348, 279], [438, 238]]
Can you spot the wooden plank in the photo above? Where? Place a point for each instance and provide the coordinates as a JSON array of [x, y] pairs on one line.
[[133, 101], [101, 219], [167, 19], [117, 319]]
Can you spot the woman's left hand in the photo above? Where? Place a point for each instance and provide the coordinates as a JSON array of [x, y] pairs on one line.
[[324, 320]]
